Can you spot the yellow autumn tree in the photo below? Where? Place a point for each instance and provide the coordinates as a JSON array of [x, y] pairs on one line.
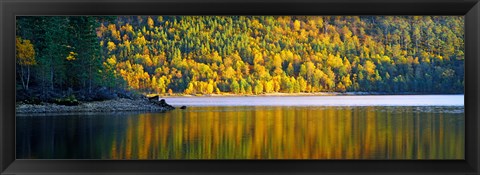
[[25, 54]]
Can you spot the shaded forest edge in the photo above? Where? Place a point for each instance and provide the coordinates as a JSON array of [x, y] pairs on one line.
[[88, 58]]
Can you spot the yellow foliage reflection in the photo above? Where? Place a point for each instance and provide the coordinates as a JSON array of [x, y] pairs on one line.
[[291, 133]]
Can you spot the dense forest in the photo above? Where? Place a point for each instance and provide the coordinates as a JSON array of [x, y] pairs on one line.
[[240, 54]]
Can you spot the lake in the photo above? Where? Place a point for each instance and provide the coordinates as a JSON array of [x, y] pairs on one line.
[[361, 100], [432, 127]]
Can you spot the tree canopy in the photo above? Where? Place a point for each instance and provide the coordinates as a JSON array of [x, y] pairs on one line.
[[248, 54]]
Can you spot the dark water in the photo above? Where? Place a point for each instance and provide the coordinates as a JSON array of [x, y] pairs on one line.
[[248, 132]]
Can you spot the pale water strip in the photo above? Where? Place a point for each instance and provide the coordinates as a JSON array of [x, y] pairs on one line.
[[361, 100]]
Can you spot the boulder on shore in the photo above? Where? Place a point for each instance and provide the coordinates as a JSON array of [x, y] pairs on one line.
[[154, 98], [164, 104]]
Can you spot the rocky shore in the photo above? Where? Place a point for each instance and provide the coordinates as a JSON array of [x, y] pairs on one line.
[[115, 105]]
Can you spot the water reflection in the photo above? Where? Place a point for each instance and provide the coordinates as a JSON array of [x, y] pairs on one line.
[[249, 133]]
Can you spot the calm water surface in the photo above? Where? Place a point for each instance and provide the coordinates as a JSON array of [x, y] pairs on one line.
[[360, 100], [249, 132]]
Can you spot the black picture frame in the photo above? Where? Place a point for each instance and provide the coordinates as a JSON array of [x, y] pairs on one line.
[[11, 8]]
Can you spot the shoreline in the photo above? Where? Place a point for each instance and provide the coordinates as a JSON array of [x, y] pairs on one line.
[[144, 105], [280, 94], [115, 105]]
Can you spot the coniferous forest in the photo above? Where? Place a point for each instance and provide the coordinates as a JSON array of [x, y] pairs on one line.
[[82, 55]]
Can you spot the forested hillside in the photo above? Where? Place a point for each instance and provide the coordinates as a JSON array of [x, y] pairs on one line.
[[242, 54]]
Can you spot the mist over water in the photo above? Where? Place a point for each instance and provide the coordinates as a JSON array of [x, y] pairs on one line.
[[363, 100]]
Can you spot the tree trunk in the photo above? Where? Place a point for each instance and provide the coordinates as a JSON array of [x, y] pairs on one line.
[[43, 82], [22, 75], [89, 78], [51, 77], [28, 77]]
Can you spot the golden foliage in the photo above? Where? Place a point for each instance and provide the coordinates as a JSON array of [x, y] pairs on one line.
[[25, 52]]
